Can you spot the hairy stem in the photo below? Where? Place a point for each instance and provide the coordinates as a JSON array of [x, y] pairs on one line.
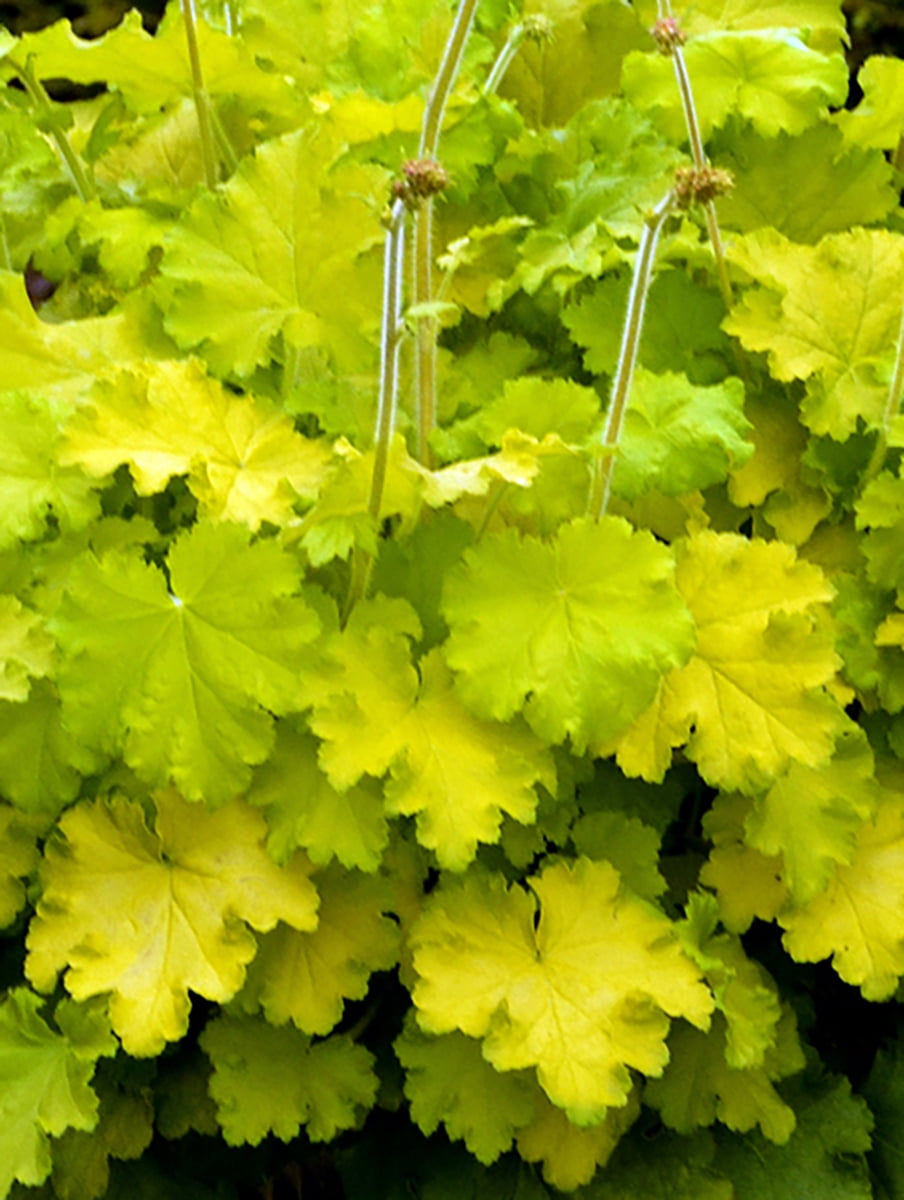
[[700, 161], [81, 180], [601, 471], [425, 343], [504, 59], [202, 100]]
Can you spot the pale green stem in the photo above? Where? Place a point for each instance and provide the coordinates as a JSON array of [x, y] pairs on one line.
[[202, 100], [892, 408], [504, 59], [225, 146], [6, 261], [700, 162], [390, 339], [500, 487], [81, 180], [601, 470], [425, 343]]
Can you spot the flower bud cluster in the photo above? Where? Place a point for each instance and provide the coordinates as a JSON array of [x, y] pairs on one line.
[[668, 35], [421, 178], [693, 186]]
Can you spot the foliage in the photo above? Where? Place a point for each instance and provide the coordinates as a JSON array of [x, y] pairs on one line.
[[451, 603]]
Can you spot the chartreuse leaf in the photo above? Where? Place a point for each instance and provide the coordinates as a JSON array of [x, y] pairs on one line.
[[305, 976], [570, 1154], [33, 484], [744, 994], [57, 362], [184, 678], [680, 330], [858, 918], [878, 120], [880, 514], [41, 762], [699, 1087], [810, 15], [455, 772], [769, 76], [243, 458], [45, 1072], [274, 252], [812, 815], [304, 811], [747, 883], [828, 314], [680, 437], [552, 79], [268, 1080], [26, 650], [582, 996], [458, 774], [448, 1082], [631, 846], [748, 703], [824, 1158], [804, 187], [151, 71], [147, 915], [18, 858], [576, 632]]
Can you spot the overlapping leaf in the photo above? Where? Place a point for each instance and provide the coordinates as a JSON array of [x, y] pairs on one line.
[[147, 915], [577, 632], [243, 459], [184, 680], [267, 1080], [582, 996], [749, 701]]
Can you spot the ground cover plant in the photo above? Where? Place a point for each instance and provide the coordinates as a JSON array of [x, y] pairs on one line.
[[452, 604]]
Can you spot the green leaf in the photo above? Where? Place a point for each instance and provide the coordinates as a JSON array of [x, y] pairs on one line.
[[679, 437], [883, 1093], [804, 187], [304, 810], [185, 680], [556, 630], [18, 858], [268, 1080], [449, 1082], [46, 1076], [824, 1158], [680, 330], [632, 848], [306, 976], [661, 1166], [878, 120], [26, 650]]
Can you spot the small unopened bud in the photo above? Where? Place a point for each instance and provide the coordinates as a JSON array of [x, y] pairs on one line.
[[668, 35], [536, 27], [421, 178], [693, 186]]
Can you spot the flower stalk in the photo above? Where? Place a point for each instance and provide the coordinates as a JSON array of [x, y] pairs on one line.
[[201, 98], [670, 38], [601, 471], [422, 248], [81, 180]]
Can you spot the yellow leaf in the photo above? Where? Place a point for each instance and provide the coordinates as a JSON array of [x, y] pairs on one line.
[[148, 916], [243, 459], [859, 918], [582, 995], [746, 882], [749, 701]]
